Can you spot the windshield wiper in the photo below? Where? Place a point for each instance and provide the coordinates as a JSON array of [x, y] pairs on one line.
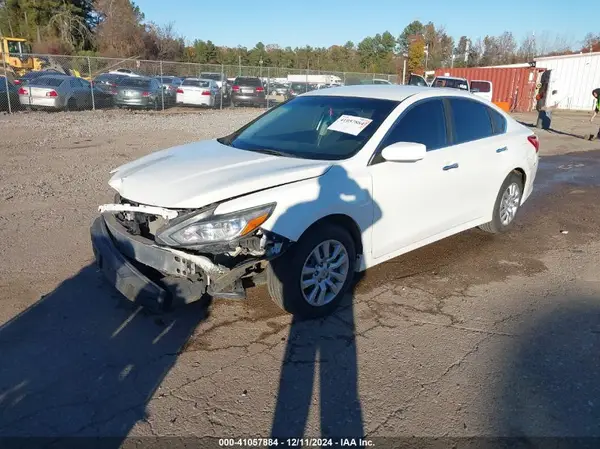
[[276, 152]]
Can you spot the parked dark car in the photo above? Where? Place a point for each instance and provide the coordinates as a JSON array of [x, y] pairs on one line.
[[139, 92], [108, 82], [12, 95], [170, 85], [248, 90]]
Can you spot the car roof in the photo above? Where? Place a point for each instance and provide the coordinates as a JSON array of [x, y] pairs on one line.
[[389, 92]]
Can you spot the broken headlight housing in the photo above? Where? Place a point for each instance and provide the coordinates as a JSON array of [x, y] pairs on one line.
[[207, 228]]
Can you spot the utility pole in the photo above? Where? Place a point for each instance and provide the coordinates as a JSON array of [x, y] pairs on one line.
[[426, 55]]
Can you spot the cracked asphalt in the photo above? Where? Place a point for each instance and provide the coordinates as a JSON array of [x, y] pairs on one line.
[[476, 335]]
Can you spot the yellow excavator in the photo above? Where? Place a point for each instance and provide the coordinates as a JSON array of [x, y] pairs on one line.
[[16, 57]]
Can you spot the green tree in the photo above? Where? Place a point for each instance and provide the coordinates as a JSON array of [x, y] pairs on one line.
[[412, 29]]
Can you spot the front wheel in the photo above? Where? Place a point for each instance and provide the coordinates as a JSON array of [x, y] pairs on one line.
[[507, 205], [311, 278]]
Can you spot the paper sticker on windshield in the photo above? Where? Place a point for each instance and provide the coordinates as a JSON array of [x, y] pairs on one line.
[[349, 124]]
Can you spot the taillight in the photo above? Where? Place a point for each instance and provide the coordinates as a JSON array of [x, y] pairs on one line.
[[179, 91], [260, 89], [533, 140], [235, 88], [23, 91], [145, 94], [205, 92], [17, 81], [52, 93]]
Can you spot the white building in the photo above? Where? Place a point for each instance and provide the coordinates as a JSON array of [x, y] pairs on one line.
[[573, 77]]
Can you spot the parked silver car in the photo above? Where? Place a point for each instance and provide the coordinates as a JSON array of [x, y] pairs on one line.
[[62, 93], [139, 92]]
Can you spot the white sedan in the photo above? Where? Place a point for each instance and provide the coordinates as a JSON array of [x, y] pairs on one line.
[[198, 92], [332, 182]]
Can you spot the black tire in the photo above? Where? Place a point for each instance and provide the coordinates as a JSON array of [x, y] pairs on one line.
[[496, 226], [284, 273]]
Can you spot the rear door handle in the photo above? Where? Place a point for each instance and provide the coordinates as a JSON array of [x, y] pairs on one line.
[[450, 167], [500, 150]]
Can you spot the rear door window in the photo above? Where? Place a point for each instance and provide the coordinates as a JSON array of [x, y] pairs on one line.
[[471, 120], [423, 123]]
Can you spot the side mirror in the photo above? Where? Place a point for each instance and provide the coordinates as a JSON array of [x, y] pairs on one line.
[[404, 152]]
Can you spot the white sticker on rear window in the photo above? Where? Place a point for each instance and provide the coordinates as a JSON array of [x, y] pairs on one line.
[[350, 124]]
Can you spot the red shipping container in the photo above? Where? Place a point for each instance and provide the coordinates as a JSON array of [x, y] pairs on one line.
[[515, 87]]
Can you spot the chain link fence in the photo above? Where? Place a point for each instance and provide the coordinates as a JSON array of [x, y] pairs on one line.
[[89, 93]]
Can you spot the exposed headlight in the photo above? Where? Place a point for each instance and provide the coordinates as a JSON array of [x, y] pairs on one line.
[[216, 228]]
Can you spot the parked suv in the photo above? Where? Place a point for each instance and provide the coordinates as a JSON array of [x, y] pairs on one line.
[[248, 90]]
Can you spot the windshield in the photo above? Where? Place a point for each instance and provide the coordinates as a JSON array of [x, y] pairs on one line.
[[47, 81], [241, 81], [197, 83], [165, 80], [450, 82], [13, 47], [135, 82], [309, 127], [211, 76]]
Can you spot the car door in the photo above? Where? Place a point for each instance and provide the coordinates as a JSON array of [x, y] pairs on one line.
[[478, 152], [416, 198]]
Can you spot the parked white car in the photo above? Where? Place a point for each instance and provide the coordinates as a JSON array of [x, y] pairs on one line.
[[332, 182], [198, 92]]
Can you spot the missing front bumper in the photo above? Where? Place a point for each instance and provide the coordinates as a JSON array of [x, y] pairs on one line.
[[158, 277]]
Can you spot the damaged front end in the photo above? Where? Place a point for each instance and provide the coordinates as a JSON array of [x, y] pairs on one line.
[[164, 257]]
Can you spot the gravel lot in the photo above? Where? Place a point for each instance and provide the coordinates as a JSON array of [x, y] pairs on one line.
[[473, 336]]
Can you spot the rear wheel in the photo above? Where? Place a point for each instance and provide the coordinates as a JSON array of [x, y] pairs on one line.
[[312, 277], [507, 205]]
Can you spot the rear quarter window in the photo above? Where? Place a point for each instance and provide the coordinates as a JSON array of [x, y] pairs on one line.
[[498, 122]]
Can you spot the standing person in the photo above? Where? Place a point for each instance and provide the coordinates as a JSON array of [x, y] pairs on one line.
[[596, 95]]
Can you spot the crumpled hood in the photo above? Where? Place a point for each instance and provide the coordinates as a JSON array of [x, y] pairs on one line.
[[201, 173]]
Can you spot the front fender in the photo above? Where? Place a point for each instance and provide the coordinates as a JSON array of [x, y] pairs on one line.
[[302, 203]]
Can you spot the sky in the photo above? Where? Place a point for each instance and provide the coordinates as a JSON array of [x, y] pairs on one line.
[[322, 23]]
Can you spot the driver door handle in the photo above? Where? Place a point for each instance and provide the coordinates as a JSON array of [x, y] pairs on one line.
[[451, 166]]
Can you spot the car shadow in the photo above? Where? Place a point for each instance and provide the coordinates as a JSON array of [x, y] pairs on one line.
[[84, 362], [550, 394], [324, 344], [555, 131]]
